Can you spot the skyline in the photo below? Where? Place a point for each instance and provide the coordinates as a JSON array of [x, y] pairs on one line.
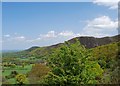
[[42, 24]]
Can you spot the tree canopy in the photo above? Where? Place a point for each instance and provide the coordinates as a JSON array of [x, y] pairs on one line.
[[70, 65]]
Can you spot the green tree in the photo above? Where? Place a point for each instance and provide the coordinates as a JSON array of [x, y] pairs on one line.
[[70, 65], [23, 65], [21, 79], [37, 73]]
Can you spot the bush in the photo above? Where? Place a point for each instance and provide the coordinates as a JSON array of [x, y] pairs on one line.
[[70, 65], [13, 73], [21, 79], [37, 73]]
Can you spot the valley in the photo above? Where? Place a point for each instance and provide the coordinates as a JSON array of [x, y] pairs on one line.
[[37, 62]]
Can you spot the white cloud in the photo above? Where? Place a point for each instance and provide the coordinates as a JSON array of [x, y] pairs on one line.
[[50, 34], [98, 27], [15, 33], [20, 37], [101, 26], [66, 33], [7, 35], [34, 40], [17, 39], [103, 22], [53, 35], [112, 4]]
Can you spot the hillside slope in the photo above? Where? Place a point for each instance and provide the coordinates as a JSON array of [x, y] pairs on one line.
[[88, 42], [91, 42]]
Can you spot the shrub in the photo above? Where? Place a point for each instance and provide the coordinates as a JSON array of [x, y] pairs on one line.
[[21, 79], [37, 73], [70, 65]]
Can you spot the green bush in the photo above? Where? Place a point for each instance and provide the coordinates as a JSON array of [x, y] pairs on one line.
[[37, 73], [70, 65], [21, 79]]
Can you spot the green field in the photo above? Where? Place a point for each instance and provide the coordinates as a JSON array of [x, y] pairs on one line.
[[19, 69]]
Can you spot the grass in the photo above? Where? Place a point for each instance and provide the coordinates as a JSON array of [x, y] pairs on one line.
[[12, 81], [19, 69]]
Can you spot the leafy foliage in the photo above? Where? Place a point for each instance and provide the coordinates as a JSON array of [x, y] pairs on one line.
[[21, 79], [108, 58], [37, 73], [70, 65]]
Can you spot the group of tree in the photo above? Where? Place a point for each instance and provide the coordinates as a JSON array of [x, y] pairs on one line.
[[73, 64]]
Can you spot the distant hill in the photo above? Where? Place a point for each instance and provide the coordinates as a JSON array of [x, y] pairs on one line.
[[9, 51], [88, 42], [91, 42], [32, 48]]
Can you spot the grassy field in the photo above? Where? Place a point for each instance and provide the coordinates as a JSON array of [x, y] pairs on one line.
[[19, 69]]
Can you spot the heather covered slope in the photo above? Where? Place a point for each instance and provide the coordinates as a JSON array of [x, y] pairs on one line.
[[91, 42]]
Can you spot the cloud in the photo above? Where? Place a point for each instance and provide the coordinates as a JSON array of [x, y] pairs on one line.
[[50, 34], [20, 38], [98, 27], [101, 26], [103, 22], [66, 33], [7, 35], [53, 35], [112, 4], [16, 39]]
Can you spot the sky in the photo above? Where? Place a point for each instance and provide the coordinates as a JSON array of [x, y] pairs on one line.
[[47, 0], [27, 24]]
